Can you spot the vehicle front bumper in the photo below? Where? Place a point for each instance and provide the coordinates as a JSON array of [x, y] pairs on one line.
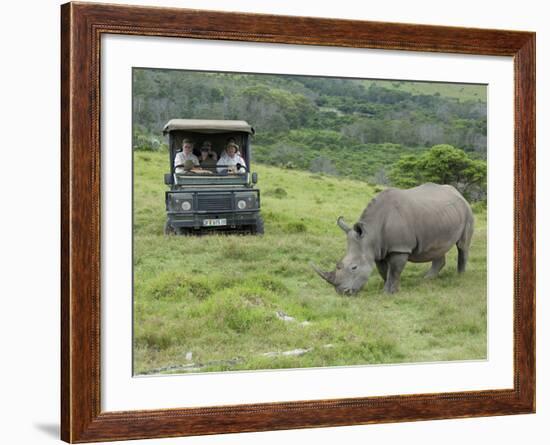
[[196, 220]]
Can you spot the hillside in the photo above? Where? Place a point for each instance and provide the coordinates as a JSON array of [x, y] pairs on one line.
[[223, 302], [460, 92], [354, 128]]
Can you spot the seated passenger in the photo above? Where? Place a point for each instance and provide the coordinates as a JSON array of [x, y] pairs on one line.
[[186, 154], [208, 145], [208, 157], [230, 161], [231, 140]]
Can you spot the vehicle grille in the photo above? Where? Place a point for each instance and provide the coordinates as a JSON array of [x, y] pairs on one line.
[[210, 202]]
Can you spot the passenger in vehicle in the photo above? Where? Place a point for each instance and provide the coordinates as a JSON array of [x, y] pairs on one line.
[[186, 154], [231, 140], [230, 161], [208, 156]]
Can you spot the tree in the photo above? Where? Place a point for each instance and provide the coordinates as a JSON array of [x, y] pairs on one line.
[[322, 164], [442, 164], [381, 177], [405, 172]]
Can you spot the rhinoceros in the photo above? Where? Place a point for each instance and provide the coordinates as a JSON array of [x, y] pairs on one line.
[[420, 225]]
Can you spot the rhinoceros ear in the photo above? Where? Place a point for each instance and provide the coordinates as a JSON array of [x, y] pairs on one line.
[[360, 229]]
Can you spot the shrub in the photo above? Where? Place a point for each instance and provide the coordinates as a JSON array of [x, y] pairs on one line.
[[230, 311], [442, 164], [295, 227], [479, 206], [322, 164], [276, 193]]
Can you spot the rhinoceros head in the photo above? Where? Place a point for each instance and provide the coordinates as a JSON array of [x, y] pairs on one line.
[[353, 270]]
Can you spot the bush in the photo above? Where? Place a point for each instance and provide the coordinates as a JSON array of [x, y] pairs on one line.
[[443, 164], [276, 193], [229, 310], [144, 142], [295, 227], [479, 206], [323, 165]]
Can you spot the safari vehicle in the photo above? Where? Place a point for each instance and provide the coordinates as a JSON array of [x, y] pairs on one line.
[[214, 197]]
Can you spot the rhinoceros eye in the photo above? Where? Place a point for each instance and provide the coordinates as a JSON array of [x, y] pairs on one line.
[[354, 267]]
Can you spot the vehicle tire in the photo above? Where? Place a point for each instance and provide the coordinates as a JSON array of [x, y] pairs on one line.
[[258, 229], [168, 229]]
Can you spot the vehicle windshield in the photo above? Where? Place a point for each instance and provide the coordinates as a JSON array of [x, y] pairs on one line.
[[204, 158]]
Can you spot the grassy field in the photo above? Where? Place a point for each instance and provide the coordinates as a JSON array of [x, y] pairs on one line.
[[235, 302]]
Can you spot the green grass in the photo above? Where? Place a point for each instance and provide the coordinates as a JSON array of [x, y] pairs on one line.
[[462, 92], [217, 296]]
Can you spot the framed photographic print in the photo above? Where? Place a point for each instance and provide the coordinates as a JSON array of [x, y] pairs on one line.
[[285, 222]]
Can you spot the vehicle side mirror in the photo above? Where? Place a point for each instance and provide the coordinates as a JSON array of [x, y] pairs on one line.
[[254, 178], [168, 179]]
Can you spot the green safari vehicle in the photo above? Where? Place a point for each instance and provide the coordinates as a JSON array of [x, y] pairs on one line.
[[211, 196]]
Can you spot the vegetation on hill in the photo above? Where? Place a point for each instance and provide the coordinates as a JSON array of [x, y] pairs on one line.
[[353, 128], [460, 92]]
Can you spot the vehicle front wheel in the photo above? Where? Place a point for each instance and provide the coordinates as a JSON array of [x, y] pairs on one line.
[[168, 229], [258, 229]]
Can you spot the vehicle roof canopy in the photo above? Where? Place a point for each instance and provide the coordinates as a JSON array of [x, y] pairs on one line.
[[207, 126]]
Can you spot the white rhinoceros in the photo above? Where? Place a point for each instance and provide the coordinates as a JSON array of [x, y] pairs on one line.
[[420, 224]]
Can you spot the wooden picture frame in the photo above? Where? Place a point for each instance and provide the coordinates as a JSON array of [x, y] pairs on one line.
[[82, 25]]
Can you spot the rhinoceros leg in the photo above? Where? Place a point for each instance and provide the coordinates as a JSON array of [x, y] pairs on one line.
[[437, 265], [462, 259], [463, 246], [396, 262], [382, 267]]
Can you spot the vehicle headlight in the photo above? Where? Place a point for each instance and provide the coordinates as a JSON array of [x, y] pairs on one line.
[[246, 201], [181, 202]]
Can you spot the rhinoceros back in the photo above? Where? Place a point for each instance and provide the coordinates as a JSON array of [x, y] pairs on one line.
[[424, 221]]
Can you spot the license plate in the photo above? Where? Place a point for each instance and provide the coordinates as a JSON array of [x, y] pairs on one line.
[[214, 222]]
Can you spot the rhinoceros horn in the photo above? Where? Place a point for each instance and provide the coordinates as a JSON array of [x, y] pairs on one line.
[[342, 224], [327, 276]]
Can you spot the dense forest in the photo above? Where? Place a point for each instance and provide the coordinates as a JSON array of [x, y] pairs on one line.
[[372, 130]]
